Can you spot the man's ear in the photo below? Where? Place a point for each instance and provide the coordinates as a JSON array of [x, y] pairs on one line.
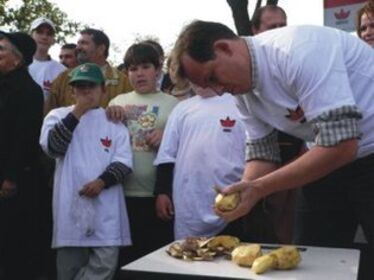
[[222, 46]]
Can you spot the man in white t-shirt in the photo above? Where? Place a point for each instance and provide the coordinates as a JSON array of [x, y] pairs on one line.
[[315, 83], [44, 69]]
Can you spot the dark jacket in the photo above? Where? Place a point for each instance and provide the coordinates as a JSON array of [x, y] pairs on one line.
[[21, 116]]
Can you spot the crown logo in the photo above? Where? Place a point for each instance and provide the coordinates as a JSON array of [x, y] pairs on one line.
[[227, 123], [342, 14]]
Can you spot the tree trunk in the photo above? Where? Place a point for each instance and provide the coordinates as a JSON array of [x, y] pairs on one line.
[[240, 14], [272, 2]]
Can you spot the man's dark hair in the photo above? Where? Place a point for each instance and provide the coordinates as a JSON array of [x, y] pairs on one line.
[[141, 53], [256, 19], [69, 46], [99, 38], [197, 39]]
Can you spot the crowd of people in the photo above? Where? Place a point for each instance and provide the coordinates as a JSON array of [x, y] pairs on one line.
[[100, 165]]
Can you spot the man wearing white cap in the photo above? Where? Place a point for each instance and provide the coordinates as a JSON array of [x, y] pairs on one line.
[[44, 69]]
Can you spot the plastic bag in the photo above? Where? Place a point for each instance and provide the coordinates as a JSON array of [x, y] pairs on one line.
[[83, 214]]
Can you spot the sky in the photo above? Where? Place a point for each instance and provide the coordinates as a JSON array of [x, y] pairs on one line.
[[124, 21]]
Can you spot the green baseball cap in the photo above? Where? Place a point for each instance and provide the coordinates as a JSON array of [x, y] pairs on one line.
[[89, 72]]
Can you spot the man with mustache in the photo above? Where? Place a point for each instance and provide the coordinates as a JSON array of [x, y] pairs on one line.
[[93, 46]]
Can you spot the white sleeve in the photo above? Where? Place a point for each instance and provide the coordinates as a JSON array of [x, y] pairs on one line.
[[167, 153], [123, 152], [48, 123], [255, 128]]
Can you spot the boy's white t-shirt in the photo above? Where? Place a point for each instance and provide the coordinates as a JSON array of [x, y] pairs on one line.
[[96, 143], [206, 140], [287, 95], [44, 72]]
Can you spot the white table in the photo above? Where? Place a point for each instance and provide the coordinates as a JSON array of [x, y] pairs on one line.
[[317, 264]]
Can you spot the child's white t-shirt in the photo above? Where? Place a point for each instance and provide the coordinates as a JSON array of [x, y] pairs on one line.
[[206, 140], [95, 144]]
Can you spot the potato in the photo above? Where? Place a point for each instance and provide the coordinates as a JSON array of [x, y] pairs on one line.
[[286, 257], [244, 255], [263, 264], [228, 242], [227, 202]]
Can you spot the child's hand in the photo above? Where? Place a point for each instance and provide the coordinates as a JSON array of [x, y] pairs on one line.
[[164, 207], [154, 138], [116, 113], [92, 189], [83, 103]]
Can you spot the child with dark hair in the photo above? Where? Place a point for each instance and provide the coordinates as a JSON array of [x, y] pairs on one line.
[[145, 111]]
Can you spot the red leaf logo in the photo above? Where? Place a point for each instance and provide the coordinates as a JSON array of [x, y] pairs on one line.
[[106, 142], [47, 84], [296, 115]]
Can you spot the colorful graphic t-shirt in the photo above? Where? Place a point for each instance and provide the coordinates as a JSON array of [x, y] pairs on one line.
[[144, 113]]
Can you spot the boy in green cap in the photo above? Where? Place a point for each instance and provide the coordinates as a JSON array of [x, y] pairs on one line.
[[93, 156]]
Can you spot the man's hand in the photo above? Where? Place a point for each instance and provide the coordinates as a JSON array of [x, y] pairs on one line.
[[164, 207], [92, 189], [153, 138], [8, 189], [116, 113], [249, 196]]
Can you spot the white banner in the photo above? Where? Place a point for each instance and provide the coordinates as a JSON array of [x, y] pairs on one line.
[[342, 14]]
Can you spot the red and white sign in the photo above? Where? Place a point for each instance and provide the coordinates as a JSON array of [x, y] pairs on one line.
[[342, 14]]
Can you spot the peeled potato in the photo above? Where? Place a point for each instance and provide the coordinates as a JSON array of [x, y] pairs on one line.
[[286, 257], [227, 202], [244, 255], [228, 242], [263, 264]]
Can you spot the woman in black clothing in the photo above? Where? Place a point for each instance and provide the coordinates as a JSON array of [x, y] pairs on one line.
[[21, 114]]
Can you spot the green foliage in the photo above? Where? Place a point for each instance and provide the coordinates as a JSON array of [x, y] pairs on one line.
[[19, 18]]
